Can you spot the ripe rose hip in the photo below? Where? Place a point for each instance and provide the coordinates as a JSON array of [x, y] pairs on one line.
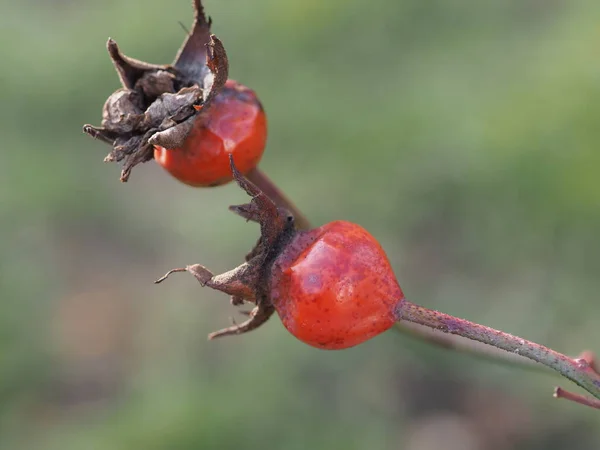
[[333, 286], [186, 114], [235, 124]]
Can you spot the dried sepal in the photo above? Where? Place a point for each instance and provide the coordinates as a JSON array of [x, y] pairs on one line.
[[159, 104], [218, 65], [132, 71], [249, 282], [261, 209], [123, 112], [175, 135], [258, 316], [189, 61], [240, 284]]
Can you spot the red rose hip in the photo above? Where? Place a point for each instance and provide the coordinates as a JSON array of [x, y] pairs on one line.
[[333, 287]]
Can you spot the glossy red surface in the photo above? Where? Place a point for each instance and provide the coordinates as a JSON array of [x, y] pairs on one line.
[[333, 287]]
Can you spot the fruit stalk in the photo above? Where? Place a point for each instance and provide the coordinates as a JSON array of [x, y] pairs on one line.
[[469, 347], [579, 370]]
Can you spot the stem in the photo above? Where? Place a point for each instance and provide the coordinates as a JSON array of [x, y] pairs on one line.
[[466, 346], [446, 341], [577, 370], [264, 183]]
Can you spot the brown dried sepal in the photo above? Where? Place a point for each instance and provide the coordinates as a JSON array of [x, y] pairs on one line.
[[159, 104], [249, 282]]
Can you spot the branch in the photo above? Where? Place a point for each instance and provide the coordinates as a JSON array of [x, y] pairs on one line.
[[469, 347], [579, 370]]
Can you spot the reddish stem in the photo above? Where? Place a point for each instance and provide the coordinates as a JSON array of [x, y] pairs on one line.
[[577, 370], [577, 398], [469, 347]]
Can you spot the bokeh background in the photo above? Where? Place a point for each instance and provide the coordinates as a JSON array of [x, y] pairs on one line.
[[464, 135]]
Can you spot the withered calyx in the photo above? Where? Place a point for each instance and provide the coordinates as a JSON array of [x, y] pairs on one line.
[[250, 282], [158, 104]]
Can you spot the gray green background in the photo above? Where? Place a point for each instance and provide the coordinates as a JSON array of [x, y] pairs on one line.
[[463, 134]]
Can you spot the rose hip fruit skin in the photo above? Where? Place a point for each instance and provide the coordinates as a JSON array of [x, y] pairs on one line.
[[333, 287], [235, 124]]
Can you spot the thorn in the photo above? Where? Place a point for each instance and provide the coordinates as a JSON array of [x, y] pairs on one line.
[[577, 398], [587, 359]]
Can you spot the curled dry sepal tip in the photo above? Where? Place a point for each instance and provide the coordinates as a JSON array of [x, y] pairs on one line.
[[159, 104]]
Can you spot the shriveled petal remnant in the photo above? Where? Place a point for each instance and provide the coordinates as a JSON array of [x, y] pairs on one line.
[[158, 104]]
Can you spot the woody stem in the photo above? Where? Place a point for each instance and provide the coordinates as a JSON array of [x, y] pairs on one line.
[[577, 370]]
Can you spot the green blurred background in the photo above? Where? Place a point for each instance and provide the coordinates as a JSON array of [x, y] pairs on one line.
[[462, 134]]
